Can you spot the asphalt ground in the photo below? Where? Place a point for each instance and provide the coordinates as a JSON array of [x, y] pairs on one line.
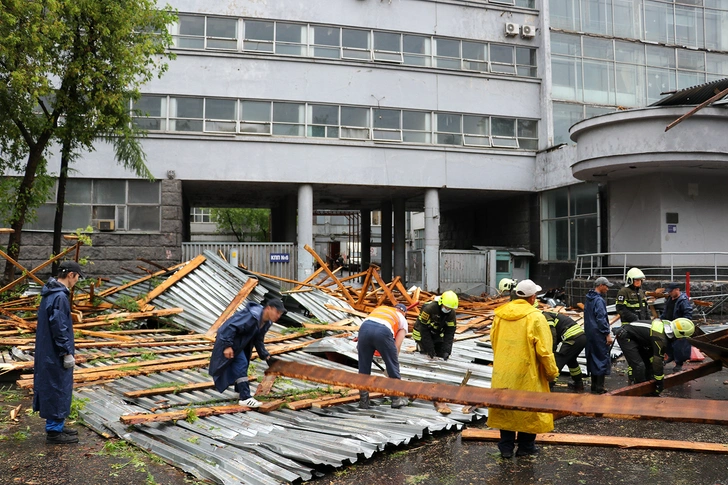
[[443, 458]]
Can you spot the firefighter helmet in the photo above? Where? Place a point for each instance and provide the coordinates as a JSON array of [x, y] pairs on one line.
[[634, 274], [506, 284], [449, 299], [682, 328]]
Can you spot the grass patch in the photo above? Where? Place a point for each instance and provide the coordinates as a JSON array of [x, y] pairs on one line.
[[415, 479], [9, 394], [21, 435], [77, 405]]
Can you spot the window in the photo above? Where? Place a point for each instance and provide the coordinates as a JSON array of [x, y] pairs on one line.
[[255, 117], [288, 119], [258, 36], [569, 222], [416, 127], [447, 53], [198, 214], [502, 59], [133, 205], [475, 56], [354, 122], [526, 62], [386, 124], [150, 113], [190, 32], [528, 134], [220, 115], [419, 239], [376, 218], [290, 39], [323, 121], [504, 132], [387, 47], [355, 44], [198, 32], [326, 42], [476, 131], [417, 50], [222, 33], [185, 114], [449, 129]]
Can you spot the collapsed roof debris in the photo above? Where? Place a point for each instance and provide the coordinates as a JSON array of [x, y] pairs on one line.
[[143, 344]]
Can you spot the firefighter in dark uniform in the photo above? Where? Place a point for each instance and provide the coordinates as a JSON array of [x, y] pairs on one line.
[[632, 306], [569, 340], [654, 335], [434, 330]]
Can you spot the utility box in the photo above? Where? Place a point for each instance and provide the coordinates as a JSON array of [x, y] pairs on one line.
[[506, 262]]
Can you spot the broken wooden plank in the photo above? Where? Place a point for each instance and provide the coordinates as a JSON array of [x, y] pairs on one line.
[[265, 386], [343, 290], [327, 403], [232, 307], [120, 317], [607, 441], [184, 271], [181, 415], [621, 407], [170, 390]]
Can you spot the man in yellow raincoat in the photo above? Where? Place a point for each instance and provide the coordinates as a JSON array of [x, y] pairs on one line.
[[524, 360]]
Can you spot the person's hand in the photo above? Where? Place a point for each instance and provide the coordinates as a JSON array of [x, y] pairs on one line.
[[68, 361], [228, 353], [609, 339], [271, 360]]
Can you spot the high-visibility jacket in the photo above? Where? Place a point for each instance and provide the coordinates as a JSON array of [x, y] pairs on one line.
[[391, 317], [563, 328], [631, 304], [649, 335]]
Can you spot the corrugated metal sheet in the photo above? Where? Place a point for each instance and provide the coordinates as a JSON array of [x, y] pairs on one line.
[[256, 256], [694, 95], [464, 271]]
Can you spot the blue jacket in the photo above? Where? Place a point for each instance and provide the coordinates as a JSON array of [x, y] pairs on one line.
[[52, 384], [596, 328], [242, 331], [682, 308]]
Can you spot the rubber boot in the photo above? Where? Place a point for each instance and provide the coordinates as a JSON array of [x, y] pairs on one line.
[[577, 385], [364, 402], [600, 385]]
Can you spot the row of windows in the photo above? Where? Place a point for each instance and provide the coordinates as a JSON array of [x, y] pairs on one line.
[[612, 72], [327, 42], [132, 205], [254, 117], [517, 3], [690, 23]]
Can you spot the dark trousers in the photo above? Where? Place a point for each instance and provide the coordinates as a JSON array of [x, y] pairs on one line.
[[508, 440], [375, 336], [237, 372], [679, 350], [567, 353], [637, 356]]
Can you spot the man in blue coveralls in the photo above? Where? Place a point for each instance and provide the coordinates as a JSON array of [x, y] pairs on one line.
[[234, 347], [54, 355]]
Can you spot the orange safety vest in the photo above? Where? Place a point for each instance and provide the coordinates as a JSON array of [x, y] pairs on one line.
[[386, 315]]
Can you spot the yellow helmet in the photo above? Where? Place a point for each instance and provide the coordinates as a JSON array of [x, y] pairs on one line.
[[682, 328], [634, 274], [506, 284], [449, 299]]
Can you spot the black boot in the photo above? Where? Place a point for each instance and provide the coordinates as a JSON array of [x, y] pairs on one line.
[[577, 385], [364, 402], [600, 385], [60, 438]]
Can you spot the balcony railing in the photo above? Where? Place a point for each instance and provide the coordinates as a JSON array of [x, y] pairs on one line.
[[702, 265]]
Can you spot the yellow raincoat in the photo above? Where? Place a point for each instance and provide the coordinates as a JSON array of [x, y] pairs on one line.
[[523, 360]]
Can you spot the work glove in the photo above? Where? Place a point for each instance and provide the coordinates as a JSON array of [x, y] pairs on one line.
[[271, 360], [68, 361], [659, 387]]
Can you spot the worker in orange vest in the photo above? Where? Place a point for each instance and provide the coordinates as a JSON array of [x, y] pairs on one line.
[[383, 331]]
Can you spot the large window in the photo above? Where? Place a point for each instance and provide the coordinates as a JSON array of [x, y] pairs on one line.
[[255, 117], [354, 44], [130, 205], [569, 222], [199, 214]]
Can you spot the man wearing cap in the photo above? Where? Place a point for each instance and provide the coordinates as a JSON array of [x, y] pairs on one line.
[[677, 305], [598, 335], [382, 331], [54, 354], [523, 360], [234, 347]]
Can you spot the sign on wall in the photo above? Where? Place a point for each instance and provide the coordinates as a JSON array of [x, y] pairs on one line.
[[280, 257]]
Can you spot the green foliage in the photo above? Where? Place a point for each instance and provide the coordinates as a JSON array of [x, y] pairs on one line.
[[246, 224], [193, 439], [77, 405], [148, 356], [8, 394], [84, 235], [22, 435], [128, 303], [191, 416]]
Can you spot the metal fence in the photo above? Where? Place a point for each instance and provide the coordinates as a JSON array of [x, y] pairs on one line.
[[276, 259], [704, 266], [464, 271]]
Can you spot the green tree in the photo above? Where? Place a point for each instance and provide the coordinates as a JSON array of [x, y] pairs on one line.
[[246, 224], [69, 70]]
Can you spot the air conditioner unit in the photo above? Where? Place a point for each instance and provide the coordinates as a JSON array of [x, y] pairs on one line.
[[511, 29], [105, 224], [528, 31]]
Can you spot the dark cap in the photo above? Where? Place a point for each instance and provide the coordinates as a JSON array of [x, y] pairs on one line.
[[277, 304], [70, 266], [401, 307], [672, 286], [602, 281]]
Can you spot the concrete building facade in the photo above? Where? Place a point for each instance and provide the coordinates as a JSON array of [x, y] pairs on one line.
[[452, 109]]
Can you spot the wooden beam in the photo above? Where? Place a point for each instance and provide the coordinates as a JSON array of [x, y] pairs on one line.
[[115, 289], [40, 266], [181, 415], [310, 278], [187, 269], [621, 407], [170, 390], [607, 441], [343, 289], [25, 272], [231, 308], [385, 288]]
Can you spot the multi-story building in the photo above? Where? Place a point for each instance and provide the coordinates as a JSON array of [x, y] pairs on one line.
[[454, 109]]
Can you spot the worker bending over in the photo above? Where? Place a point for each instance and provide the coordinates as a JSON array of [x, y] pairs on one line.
[[569, 341], [434, 330]]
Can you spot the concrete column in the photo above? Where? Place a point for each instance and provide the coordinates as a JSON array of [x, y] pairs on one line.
[[366, 238], [432, 241], [400, 253], [305, 232], [387, 240]]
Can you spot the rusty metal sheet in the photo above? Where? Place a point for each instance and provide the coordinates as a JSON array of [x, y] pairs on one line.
[[620, 407]]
